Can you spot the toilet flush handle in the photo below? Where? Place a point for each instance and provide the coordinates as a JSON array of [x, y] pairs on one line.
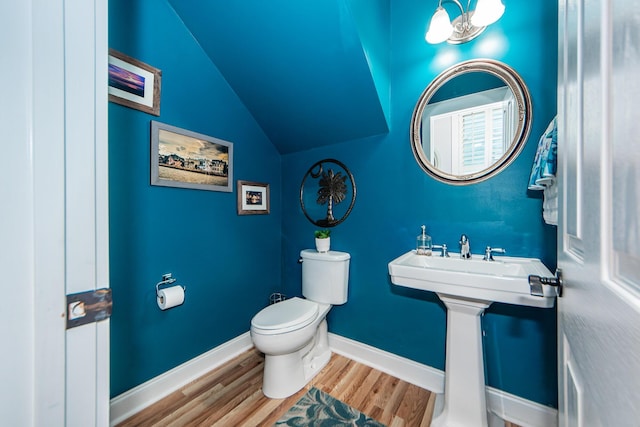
[[300, 260]]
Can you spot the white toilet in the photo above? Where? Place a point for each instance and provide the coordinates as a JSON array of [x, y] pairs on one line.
[[292, 334]]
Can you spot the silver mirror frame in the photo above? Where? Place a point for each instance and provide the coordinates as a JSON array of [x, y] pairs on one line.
[[521, 96]]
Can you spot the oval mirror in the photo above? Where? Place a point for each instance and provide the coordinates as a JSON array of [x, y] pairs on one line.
[[471, 122]]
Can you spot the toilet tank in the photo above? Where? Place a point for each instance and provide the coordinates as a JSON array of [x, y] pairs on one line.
[[325, 276]]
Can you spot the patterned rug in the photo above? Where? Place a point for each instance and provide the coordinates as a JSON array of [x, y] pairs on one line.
[[318, 409]]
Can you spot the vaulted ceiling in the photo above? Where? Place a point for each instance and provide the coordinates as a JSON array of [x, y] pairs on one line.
[[312, 72]]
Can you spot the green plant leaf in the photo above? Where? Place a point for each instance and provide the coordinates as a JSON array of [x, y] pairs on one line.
[[322, 234]]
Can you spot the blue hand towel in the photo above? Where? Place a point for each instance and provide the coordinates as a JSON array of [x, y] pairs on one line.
[[543, 172], [545, 164]]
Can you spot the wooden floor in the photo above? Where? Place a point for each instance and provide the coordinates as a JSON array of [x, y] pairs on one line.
[[231, 396]]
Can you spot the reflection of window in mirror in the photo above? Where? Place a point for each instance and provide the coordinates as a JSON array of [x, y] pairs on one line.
[[470, 133]]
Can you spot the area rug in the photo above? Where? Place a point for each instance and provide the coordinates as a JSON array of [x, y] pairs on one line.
[[318, 409]]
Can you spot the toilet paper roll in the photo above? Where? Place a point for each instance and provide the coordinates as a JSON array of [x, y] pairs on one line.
[[170, 297]]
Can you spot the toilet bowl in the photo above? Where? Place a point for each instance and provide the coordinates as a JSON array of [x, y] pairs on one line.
[[293, 333]]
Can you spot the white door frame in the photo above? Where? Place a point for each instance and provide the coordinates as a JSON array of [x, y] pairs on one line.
[[86, 199]]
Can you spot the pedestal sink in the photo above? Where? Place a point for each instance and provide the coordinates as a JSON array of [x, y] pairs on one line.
[[467, 287]]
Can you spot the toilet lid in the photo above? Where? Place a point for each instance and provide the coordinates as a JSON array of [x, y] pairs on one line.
[[286, 315]]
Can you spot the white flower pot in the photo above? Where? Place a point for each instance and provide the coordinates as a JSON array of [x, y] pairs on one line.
[[323, 245]]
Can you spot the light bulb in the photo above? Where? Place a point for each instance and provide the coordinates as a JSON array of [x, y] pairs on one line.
[[487, 12], [440, 28]]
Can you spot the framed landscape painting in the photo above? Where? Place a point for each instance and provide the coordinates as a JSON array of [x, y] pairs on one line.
[[133, 83], [185, 159]]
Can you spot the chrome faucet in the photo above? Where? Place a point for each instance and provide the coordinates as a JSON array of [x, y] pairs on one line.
[[489, 251], [444, 251], [465, 248]]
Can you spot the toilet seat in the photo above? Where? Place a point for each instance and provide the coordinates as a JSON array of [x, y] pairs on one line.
[[285, 316]]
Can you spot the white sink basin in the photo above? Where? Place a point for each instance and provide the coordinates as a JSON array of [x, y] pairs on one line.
[[503, 280]]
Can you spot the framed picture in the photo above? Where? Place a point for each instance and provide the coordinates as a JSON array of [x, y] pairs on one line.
[[133, 83], [253, 198], [185, 159]]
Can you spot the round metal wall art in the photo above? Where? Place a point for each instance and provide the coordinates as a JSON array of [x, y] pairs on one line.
[[332, 190]]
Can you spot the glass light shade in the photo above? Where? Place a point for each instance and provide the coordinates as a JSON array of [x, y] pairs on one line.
[[440, 28], [487, 12]]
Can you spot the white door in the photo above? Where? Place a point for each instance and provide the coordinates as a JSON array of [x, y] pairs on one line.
[[599, 228], [54, 211]]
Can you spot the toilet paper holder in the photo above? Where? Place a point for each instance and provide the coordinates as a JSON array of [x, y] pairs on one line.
[[167, 280]]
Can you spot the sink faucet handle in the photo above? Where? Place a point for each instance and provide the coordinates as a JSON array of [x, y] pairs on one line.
[[443, 248], [489, 251], [465, 247]]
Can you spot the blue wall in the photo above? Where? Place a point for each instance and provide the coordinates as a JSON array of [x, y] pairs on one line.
[[395, 197], [196, 235]]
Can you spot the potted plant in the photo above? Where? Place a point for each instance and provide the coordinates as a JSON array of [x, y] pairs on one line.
[[323, 240]]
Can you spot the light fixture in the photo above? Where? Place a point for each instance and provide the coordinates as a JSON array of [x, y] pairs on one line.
[[465, 27]]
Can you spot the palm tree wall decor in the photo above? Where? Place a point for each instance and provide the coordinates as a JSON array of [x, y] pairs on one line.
[[332, 190]]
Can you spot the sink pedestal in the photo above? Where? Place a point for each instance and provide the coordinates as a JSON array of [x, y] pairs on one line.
[[464, 388]]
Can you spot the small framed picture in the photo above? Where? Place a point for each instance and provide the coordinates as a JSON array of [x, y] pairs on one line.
[[133, 83], [185, 159], [253, 198]]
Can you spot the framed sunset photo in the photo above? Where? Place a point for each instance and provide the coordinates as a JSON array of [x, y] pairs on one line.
[[133, 83]]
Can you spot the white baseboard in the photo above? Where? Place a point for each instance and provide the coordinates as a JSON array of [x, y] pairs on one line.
[[507, 406], [521, 411], [132, 401]]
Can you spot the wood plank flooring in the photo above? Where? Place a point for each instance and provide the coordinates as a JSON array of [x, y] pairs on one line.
[[231, 396]]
